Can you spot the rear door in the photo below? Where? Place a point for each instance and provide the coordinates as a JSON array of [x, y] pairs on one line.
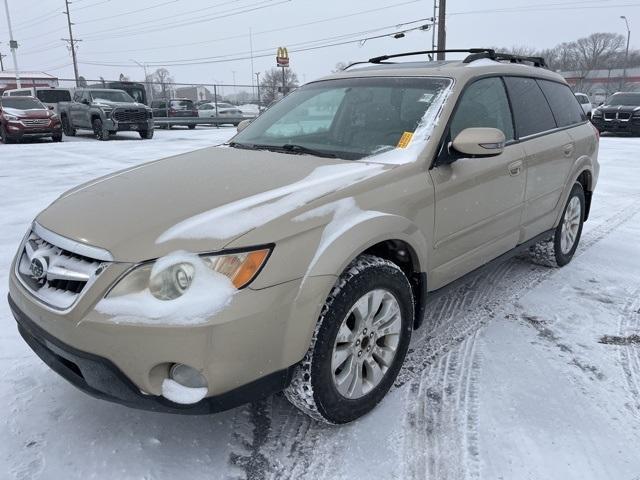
[[479, 201], [549, 153]]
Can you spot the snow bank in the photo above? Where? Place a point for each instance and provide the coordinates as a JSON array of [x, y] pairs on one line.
[[210, 292], [243, 215], [172, 390]]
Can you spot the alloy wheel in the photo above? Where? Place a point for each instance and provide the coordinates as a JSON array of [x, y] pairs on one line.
[[570, 225], [366, 344]]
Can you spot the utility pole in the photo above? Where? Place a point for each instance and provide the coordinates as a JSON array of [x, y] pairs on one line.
[[13, 45], [71, 41], [258, 85], [251, 48], [433, 25], [442, 29], [626, 57], [1, 63], [146, 79]]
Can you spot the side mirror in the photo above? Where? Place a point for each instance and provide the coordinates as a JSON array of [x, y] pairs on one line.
[[243, 124], [50, 107], [86, 102], [479, 142]]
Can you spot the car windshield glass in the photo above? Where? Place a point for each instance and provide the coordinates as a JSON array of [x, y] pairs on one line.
[[225, 105], [631, 99], [53, 96], [348, 118], [111, 96], [181, 104], [21, 103]]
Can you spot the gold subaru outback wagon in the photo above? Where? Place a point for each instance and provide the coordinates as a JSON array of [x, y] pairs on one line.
[[299, 256]]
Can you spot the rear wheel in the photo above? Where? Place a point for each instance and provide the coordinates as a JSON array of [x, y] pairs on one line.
[[191, 127], [68, 130], [559, 250], [359, 343], [98, 130]]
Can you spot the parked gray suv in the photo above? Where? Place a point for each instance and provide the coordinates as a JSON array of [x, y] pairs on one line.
[[105, 112], [300, 255]]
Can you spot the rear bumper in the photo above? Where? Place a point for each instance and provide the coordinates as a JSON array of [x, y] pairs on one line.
[[100, 378]]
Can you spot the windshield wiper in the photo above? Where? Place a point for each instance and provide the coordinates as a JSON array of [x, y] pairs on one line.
[[289, 147]]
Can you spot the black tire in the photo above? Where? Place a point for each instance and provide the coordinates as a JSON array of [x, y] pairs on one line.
[[4, 136], [191, 127], [146, 134], [312, 388], [68, 130], [98, 130], [549, 253], [57, 138]]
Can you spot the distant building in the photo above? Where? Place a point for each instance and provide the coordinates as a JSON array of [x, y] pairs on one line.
[[27, 79], [600, 84], [196, 93]]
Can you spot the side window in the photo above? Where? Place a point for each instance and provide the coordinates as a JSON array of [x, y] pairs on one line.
[[563, 103], [530, 107], [77, 96], [484, 104]]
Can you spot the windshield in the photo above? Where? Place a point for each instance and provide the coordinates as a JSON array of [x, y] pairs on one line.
[[631, 99], [21, 103], [347, 118], [54, 96], [111, 96]]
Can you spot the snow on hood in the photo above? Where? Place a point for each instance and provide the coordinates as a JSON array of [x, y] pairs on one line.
[[209, 293], [243, 215]]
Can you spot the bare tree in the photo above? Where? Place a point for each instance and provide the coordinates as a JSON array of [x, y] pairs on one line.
[[271, 85], [162, 82], [340, 66]]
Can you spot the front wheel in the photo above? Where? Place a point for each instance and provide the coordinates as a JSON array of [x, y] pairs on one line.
[[191, 127], [68, 130], [98, 130], [146, 134], [559, 250], [359, 343], [57, 138], [4, 136]]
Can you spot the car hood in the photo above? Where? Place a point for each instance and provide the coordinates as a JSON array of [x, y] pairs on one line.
[[199, 201], [619, 108], [120, 104], [32, 113]]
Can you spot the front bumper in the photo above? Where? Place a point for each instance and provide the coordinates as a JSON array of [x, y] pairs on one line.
[[111, 124], [631, 126], [101, 378], [17, 131]]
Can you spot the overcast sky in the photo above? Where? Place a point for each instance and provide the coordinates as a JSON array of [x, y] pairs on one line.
[[116, 32]]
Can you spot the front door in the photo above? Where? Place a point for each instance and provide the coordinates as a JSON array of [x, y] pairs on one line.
[[479, 201]]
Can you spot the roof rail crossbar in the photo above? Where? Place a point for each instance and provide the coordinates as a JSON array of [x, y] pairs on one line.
[[498, 57], [383, 58]]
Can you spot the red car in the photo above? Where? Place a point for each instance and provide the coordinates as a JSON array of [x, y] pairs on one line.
[[27, 117]]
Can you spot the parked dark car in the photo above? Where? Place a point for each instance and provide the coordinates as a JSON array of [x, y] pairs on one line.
[[27, 117], [619, 114], [175, 108]]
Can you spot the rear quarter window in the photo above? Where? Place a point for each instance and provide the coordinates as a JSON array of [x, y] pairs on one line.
[[566, 109], [530, 107]]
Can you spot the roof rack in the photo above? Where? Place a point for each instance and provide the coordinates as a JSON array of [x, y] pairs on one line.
[[474, 54]]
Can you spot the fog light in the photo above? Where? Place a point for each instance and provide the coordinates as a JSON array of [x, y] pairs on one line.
[[187, 376]]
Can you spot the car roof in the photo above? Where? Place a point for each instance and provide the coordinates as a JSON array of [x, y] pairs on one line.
[[456, 69]]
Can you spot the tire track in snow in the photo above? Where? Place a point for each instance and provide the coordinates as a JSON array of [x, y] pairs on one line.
[[298, 447], [630, 354]]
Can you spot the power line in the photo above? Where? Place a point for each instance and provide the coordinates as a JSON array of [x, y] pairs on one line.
[[262, 32], [306, 49]]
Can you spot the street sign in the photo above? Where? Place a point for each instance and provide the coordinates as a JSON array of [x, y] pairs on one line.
[[282, 58], [13, 44]]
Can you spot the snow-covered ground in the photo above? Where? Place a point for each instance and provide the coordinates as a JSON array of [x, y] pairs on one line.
[[509, 379]]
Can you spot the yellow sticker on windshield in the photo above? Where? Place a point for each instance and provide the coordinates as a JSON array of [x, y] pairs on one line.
[[405, 139]]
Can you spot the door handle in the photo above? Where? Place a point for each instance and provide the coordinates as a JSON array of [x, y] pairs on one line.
[[568, 149], [515, 168]]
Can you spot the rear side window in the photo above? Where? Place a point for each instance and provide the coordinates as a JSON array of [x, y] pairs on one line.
[[583, 99], [53, 96], [484, 104], [530, 107], [564, 105]]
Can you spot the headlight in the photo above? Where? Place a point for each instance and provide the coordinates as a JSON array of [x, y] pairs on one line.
[[172, 276], [596, 113], [54, 117], [11, 118]]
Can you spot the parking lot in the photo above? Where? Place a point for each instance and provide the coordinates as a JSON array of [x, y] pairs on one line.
[[516, 374]]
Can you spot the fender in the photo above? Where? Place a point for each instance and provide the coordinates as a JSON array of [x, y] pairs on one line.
[[582, 164]]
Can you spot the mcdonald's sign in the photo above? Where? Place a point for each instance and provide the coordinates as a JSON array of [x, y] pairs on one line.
[[282, 58]]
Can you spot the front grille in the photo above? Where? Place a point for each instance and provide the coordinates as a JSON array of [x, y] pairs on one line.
[[35, 122], [54, 275], [624, 115], [609, 115], [130, 115]]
